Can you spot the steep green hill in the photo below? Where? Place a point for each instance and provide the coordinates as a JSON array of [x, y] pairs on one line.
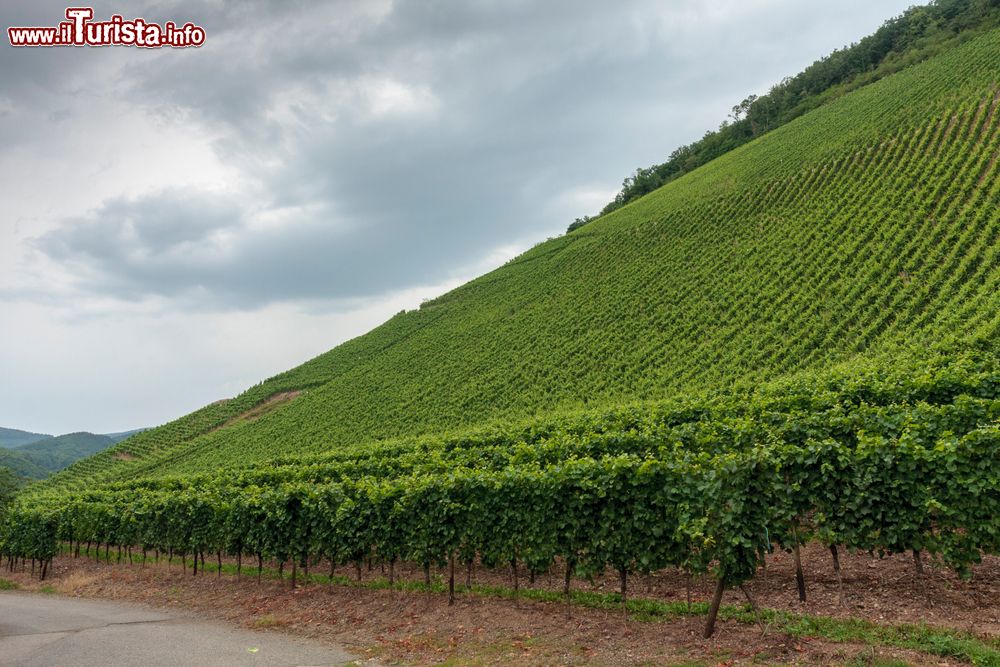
[[865, 227]]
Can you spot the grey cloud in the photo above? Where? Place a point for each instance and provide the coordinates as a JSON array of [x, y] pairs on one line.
[[152, 226], [170, 245], [524, 101], [129, 246]]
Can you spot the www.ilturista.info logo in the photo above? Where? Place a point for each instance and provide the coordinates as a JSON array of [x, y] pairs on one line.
[[80, 30]]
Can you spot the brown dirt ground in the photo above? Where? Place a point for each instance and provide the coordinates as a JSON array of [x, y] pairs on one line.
[[266, 406], [421, 629]]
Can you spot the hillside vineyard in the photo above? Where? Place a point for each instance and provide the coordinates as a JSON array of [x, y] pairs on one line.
[[796, 341]]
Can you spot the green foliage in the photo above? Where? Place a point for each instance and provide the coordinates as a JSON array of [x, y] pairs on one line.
[[887, 460], [20, 465], [9, 484]]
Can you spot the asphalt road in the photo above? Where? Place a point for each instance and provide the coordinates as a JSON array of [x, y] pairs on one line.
[[49, 631]]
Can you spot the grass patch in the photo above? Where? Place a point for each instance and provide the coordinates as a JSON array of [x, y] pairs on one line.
[[8, 585], [875, 661], [47, 589], [269, 621]]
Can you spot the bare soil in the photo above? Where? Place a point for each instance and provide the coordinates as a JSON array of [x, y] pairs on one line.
[[259, 410], [421, 629]]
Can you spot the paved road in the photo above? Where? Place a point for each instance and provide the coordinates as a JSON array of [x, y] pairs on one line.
[[50, 631]]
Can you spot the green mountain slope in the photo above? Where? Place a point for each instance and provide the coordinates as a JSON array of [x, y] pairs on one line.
[[38, 459], [12, 438], [57, 453], [21, 465], [866, 227]]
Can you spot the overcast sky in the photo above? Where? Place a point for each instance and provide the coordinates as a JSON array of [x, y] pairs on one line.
[[176, 225]]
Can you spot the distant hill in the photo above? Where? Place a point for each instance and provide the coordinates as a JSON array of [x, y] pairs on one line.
[[45, 454], [21, 465], [56, 453], [11, 438]]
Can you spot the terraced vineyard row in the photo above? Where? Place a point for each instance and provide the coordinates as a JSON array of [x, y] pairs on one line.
[[876, 460], [953, 395]]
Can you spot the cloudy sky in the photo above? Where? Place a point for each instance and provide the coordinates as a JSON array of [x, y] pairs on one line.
[[176, 225]]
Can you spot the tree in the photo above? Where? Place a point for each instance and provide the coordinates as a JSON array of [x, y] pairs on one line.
[[580, 222], [743, 108]]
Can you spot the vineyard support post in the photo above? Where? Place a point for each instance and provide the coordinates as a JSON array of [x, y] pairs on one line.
[[513, 567], [623, 575], [836, 568], [566, 584], [713, 611], [753, 605], [451, 578], [800, 579]]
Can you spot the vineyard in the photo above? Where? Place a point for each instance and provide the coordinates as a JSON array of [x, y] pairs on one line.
[[893, 462], [794, 343]]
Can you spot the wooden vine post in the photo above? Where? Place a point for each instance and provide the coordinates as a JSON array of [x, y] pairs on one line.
[[713, 611], [800, 579]]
